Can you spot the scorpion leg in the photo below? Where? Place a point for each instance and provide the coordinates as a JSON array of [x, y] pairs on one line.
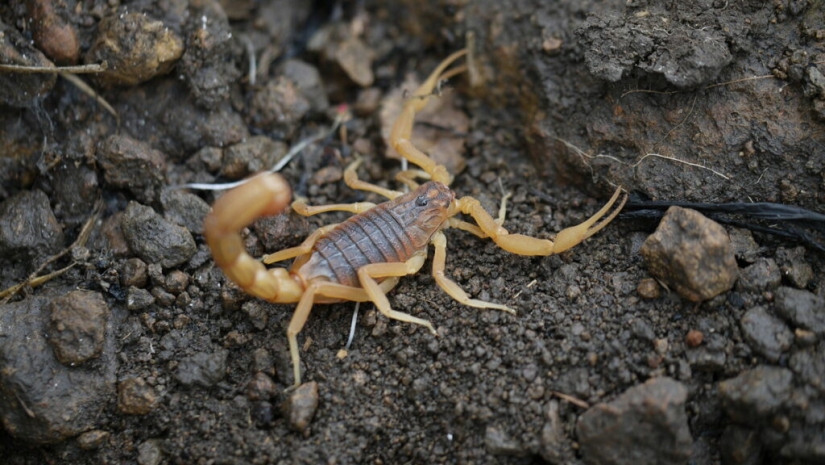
[[305, 246], [378, 296], [300, 207], [330, 290], [449, 286], [526, 245], [402, 129], [408, 177], [351, 179]]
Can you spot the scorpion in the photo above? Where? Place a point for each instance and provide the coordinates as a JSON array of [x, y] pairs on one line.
[[363, 258]]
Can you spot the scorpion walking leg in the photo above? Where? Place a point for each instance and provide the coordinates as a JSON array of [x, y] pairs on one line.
[[439, 240], [367, 275], [305, 246], [402, 129], [351, 179], [335, 291], [526, 245]]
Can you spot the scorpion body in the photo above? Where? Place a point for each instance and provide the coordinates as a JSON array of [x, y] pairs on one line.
[[391, 232], [363, 258]]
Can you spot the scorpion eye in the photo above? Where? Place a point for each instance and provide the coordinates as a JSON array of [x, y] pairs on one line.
[[421, 201]]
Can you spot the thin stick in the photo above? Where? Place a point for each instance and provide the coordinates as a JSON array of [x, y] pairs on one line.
[[82, 69]]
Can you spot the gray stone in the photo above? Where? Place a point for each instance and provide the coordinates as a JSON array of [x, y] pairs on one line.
[[28, 228], [767, 334], [802, 308], [754, 395], [645, 424], [155, 239], [77, 328], [202, 369]]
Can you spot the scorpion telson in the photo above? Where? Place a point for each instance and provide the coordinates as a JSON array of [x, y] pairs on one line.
[[363, 258]]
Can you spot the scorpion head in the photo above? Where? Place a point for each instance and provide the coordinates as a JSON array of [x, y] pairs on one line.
[[423, 211]]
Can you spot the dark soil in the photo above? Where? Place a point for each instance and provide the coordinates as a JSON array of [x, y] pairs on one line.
[[142, 352]]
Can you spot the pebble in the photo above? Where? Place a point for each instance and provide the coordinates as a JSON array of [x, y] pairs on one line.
[[694, 338], [28, 229], [619, 432], [691, 254], [133, 273], [133, 165], [278, 105], [257, 314], [155, 239], [308, 80], [794, 267], [260, 387], [135, 46], [801, 308], [765, 333], [763, 275], [755, 395], [77, 326], [300, 405], [711, 356], [255, 154], [44, 401], [176, 282], [202, 369], [185, 209], [22, 89], [92, 439], [150, 452], [648, 288], [52, 33], [135, 397], [498, 442]]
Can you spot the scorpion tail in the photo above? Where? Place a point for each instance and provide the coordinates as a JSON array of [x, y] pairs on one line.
[[264, 195]]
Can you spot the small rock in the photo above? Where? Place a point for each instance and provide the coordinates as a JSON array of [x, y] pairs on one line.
[[154, 239], [202, 369], [809, 366], [263, 413], [16, 89], [740, 445], [92, 439], [755, 395], [53, 33], [136, 47], [555, 448], [711, 356], [299, 407], [262, 361], [78, 326], [209, 66], [256, 313], [367, 102], [138, 299], [744, 247], [648, 288], [802, 308], [28, 228], [261, 387], [135, 397], [691, 254], [762, 276], [281, 231], [255, 154], [278, 106], [75, 192], [337, 43], [645, 424], [694, 338], [767, 334], [133, 165], [794, 267], [498, 442], [150, 452], [41, 400], [176, 281], [110, 238], [184, 209], [134, 273], [308, 80]]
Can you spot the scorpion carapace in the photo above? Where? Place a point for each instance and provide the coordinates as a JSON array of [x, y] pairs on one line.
[[362, 258]]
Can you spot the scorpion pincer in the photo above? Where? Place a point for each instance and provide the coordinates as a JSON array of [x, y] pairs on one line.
[[363, 258]]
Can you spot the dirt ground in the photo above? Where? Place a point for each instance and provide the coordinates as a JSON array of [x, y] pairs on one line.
[[143, 352]]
